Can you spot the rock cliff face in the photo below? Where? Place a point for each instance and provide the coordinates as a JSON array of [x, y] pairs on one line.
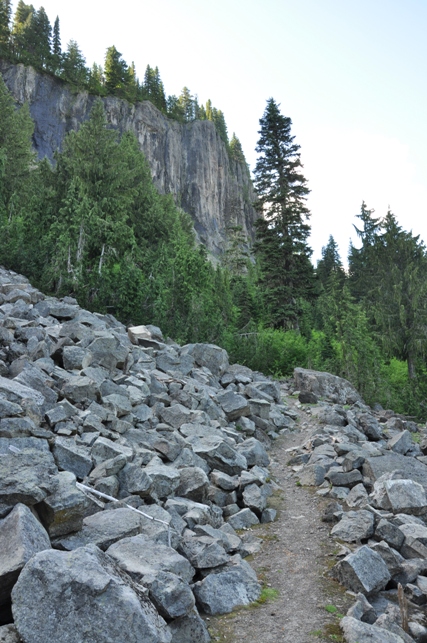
[[187, 160]]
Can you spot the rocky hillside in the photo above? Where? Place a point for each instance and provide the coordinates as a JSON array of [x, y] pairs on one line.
[[187, 160], [127, 464]]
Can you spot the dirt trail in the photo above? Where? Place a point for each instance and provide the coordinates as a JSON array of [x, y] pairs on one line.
[[296, 552]]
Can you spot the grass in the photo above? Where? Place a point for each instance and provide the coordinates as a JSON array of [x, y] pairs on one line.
[[267, 594], [416, 437]]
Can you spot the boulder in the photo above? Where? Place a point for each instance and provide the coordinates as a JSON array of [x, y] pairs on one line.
[[90, 600], [332, 387], [358, 632], [189, 629], [234, 585], [21, 537], [354, 526], [209, 355], [362, 571], [62, 512]]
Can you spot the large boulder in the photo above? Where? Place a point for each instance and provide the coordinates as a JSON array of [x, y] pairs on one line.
[[333, 388], [362, 571], [82, 596]]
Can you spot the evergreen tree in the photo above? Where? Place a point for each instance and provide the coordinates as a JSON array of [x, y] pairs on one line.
[[361, 272], [330, 263], [116, 73], [154, 90], [186, 104], [96, 82], [43, 37], [23, 33], [282, 231], [56, 58], [399, 292], [5, 18], [74, 70], [236, 150]]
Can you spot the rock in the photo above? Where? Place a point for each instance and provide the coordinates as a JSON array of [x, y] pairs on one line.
[[21, 536], [27, 470], [401, 443], [213, 357], [357, 496], [189, 629], [71, 457], [254, 452], [341, 479], [243, 519], [391, 557], [312, 475], [354, 526], [307, 397], [362, 571], [203, 552], [235, 585], [375, 467], [233, 405], [392, 535], [193, 484], [170, 595], [87, 581], [415, 543], [62, 512], [218, 454], [9, 634], [357, 632], [255, 498], [164, 480], [406, 496], [134, 480], [103, 529], [140, 556], [362, 610], [80, 389], [332, 387]]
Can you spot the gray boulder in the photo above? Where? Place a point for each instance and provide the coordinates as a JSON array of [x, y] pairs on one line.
[[189, 629], [362, 571], [170, 594], [69, 456], [27, 471], [209, 355], [63, 511], [233, 405], [243, 519], [332, 387], [89, 598], [140, 556], [203, 552], [375, 467], [21, 536], [254, 452], [358, 632], [234, 585], [103, 529], [406, 496], [354, 526]]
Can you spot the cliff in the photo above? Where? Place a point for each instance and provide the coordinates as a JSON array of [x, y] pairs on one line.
[[189, 160]]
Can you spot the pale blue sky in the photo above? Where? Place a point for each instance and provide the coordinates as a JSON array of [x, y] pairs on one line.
[[351, 75]]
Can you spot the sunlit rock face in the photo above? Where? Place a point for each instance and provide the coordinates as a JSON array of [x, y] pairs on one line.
[[189, 160]]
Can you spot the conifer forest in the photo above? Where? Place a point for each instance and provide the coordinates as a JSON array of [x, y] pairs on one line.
[[92, 225]]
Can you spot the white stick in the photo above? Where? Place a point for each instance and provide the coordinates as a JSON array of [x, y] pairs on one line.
[[84, 488]]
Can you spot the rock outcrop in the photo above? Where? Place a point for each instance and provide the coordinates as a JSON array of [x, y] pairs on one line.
[[189, 161], [125, 471]]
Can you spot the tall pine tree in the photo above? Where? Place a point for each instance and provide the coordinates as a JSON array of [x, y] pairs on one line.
[[282, 228]]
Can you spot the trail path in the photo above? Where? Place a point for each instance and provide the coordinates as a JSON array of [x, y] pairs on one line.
[[295, 554]]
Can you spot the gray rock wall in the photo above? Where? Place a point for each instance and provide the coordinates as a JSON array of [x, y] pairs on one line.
[[187, 160]]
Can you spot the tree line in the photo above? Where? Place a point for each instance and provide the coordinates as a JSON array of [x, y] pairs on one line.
[[92, 225], [29, 38]]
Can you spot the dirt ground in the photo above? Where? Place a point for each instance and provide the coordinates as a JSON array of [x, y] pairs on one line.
[[295, 556]]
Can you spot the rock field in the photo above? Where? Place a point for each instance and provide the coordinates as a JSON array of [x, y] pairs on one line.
[[133, 471]]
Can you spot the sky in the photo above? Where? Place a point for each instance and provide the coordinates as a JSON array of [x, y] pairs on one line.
[[351, 76]]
